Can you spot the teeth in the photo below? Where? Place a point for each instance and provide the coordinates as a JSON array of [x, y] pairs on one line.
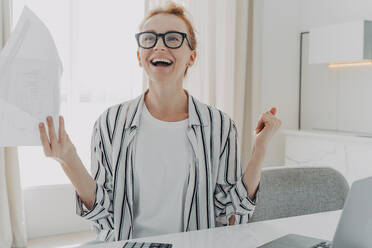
[[161, 60]]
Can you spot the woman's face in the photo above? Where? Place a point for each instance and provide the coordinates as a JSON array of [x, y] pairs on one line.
[[179, 57]]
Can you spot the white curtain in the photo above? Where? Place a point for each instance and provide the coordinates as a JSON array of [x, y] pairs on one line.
[[12, 218], [221, 75]]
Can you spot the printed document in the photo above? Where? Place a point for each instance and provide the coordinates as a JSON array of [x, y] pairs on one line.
[[30, 74]]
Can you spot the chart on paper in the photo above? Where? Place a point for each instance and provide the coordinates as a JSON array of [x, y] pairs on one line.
[[30, 75]]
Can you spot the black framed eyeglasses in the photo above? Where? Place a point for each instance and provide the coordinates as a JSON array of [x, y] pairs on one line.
[[172, 39]]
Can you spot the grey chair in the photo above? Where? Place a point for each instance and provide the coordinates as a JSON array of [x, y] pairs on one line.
[[293, 191]]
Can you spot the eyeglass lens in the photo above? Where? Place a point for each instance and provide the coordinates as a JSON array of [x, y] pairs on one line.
[[171, 39]]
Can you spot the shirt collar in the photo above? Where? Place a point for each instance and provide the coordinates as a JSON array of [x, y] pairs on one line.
[[196, 114]]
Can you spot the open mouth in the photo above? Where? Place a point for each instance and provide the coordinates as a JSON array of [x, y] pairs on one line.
[[161, 62]]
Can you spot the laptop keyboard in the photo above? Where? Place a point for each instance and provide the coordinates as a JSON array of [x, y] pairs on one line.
[[323, 244], [146, 245]]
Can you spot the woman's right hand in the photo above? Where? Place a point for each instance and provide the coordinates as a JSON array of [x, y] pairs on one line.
[[59, 148]]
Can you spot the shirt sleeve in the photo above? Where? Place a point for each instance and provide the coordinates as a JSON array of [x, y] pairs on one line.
[[101, 213], [231, 193]]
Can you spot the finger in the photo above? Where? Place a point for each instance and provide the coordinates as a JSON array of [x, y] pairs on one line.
[[273, 110], [61, 129], [51, 131], [259, 125], [44, 139], [232, 220], [259, 129]]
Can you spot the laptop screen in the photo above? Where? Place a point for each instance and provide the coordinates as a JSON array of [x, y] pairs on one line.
[[355, 226]]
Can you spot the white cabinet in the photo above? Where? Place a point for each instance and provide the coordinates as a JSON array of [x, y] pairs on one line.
[[350, 155]]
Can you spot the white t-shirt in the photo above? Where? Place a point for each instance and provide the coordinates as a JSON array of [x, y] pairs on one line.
[[162, 162]]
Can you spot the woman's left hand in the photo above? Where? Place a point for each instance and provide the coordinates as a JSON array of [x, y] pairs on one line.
[[266, 128]]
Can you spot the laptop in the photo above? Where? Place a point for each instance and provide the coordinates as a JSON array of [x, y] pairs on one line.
[[353, 230]]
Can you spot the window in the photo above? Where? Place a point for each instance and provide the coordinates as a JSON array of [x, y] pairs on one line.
[[95, 40]]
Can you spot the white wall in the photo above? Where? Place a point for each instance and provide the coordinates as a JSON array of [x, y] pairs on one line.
[[350, 88], [315, 13], [279, 68], [44, 218], [279, 75]]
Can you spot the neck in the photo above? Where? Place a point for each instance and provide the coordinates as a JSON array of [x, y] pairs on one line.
[[167, 102]]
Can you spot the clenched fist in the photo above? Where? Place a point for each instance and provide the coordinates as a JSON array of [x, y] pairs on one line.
[[267, 126]]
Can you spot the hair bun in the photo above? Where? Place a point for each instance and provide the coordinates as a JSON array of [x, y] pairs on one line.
[[175, 9]]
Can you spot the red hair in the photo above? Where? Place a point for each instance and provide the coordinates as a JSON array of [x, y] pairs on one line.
[[172, 8]]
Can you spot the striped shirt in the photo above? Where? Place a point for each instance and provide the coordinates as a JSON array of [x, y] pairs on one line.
[[215, 185]]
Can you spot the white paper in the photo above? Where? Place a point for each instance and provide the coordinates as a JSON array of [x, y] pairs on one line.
[[30, 74]]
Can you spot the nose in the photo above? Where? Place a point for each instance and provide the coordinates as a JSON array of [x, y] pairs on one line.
[[160, 44]]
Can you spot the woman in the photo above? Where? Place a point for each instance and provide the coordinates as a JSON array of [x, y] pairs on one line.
[[163, 162]]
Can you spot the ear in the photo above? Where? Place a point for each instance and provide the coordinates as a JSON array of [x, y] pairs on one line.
[[192, 57], [139, 58]]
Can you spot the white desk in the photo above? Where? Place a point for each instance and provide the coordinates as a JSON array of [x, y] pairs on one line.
[[321, 225]]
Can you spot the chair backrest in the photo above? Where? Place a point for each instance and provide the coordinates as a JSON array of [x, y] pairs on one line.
[[292, 191]]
